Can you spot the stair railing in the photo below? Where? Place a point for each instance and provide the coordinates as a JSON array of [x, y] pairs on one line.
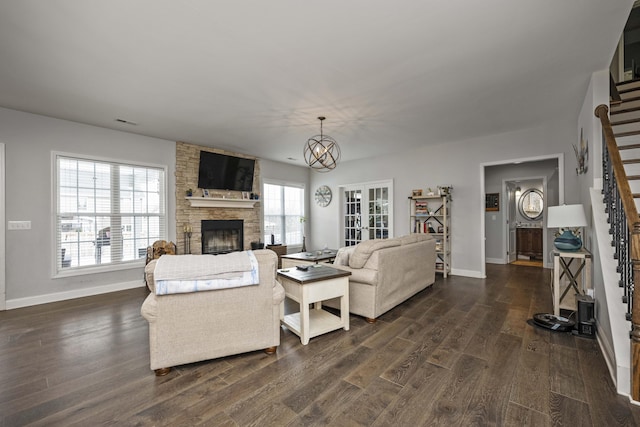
[[625, 230]]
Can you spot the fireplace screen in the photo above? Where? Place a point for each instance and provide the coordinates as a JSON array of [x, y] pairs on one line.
[[222, 236]]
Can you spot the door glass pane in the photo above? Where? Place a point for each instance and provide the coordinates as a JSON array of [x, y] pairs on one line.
[[385, 198], [352, 218]]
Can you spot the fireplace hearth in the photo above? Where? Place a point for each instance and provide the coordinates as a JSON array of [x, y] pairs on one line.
[[222, 236]]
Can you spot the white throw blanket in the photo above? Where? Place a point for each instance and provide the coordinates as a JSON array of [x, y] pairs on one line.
[[176, 274]]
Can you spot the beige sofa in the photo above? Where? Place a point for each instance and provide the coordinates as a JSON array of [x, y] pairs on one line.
[[386, 272], [191, 327]]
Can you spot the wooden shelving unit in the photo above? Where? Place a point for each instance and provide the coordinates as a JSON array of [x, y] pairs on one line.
[[432, 214]]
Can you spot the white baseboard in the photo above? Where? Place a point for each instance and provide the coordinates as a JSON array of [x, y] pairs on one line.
[[607, 352], [466, 273], [495, 261], [77, 293]]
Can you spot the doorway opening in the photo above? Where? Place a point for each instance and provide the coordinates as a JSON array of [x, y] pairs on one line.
[[500, 227], [525, 220]]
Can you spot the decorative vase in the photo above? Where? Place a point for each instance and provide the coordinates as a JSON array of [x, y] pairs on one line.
[[568, 241], [304, 245]]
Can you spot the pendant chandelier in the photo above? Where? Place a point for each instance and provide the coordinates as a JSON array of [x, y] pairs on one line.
[[321, 152]]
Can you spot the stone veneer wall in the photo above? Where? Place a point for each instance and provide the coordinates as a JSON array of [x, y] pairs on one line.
[[187, 161]]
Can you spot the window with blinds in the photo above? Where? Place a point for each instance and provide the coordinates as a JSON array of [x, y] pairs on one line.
[[283, 210], [107, 213]]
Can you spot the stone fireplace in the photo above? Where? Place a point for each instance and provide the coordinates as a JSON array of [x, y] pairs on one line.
[[190, 215], [222, 236]]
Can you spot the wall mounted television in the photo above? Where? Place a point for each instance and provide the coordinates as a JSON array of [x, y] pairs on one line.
[[223, 172]]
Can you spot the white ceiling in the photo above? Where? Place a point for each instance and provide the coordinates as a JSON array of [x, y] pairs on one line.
[[253, 76]]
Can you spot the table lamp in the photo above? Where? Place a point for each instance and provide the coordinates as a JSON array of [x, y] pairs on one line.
[[567, 217]]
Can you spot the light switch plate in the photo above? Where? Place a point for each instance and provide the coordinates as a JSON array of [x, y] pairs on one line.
[[19, 225]]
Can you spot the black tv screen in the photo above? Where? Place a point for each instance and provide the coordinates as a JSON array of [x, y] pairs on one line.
[[222, 172]]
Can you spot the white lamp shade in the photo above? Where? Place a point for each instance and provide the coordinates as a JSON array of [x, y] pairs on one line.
[[566, 216]]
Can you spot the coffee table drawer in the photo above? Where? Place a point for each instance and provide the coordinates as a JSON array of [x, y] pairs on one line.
[[314, 292]]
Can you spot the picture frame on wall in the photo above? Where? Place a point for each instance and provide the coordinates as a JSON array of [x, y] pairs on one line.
[[492, 202]]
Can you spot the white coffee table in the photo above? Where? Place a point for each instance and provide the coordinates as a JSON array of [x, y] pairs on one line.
[[317, 284]]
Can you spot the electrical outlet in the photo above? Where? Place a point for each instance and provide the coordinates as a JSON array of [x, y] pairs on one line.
[[19, 225]]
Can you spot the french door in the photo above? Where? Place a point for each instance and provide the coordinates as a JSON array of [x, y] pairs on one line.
[[367, 211]]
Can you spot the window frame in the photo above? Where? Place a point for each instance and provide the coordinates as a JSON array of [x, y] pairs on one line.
[[58, 272], [283, 184]]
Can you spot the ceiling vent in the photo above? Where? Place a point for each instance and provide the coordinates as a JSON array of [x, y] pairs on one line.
[[127, 122]]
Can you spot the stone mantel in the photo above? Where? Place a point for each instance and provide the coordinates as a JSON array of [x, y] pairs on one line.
[[216, 202], [191, 211]]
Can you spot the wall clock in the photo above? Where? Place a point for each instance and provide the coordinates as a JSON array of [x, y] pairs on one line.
[[323, 196]]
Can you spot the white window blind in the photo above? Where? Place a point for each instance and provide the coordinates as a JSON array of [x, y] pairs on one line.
[[107, 213], [283, 208]]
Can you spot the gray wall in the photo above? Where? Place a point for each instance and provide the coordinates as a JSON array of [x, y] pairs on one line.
[[460, 164], [597, 93], [30, 140]]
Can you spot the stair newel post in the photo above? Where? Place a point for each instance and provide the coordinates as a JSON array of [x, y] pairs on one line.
[[635, 314]]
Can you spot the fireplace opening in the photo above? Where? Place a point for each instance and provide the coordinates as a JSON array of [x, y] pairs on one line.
[[222, 236]]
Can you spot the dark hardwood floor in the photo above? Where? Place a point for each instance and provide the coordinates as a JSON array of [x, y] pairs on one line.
[[459, 353]]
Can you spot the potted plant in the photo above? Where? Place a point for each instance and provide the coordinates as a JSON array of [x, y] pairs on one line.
[[189, 192]]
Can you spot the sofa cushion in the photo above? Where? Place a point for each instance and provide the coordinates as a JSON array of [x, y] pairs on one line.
[[363, 250], [343, 254], [414, 238]]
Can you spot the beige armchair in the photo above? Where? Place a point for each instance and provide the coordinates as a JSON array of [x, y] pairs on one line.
[[191, 327]]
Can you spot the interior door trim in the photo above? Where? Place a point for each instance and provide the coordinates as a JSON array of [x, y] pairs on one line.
[[3, 288], [364, 188]]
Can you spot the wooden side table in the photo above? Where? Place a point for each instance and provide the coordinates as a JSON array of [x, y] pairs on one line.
[[576, 275], [317, 284], [280, 250]]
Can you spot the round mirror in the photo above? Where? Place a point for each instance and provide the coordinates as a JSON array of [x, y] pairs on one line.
[[531, 204]]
